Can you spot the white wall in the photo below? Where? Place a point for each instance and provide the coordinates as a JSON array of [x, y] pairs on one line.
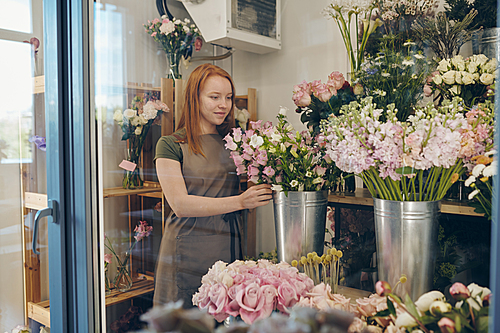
[[312, 48]]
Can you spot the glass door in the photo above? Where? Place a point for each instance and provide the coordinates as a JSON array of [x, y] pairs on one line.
[[45, 168]]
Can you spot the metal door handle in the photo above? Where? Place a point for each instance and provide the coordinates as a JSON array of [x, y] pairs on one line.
[[51, 210]]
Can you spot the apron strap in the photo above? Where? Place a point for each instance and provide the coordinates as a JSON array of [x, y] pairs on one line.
[[232, 219]]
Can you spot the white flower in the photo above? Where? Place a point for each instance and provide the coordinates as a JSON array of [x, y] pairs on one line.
[[187, 21], [490, 66], [470, 180], [301, 187], [408, 62], [473, 194], [138, 130], [449, 77], [439, 307], [486, 78], [386, 74], [289, 128], [408, 43], [476, 172], [256, 141], [149, 111], [414, 76], [185, 28], [418, 56], [491, 152], [294, 183], [167, 28], [129, 113], [283, 148], [176, 22], [480, 58], [276, 137], [458, 77], [455, 90], [424, 302], [405, 320], [241, 115], [458, 62], [438, 79], [472, 67], [277, 188], [118, 116], [317, 180], [444, 65], [283, 110], [467, 78], [491, 169], [308, 174]]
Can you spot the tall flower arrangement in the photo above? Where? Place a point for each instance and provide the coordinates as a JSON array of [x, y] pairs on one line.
[[413, 161], [135, 124], [394, 77], [316, 101], [349, 13], [278, 155], [177, 38], [472, 79]]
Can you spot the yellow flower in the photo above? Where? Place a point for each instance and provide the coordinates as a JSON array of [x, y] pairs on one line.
[[403, 278], [454, 178], [484, 179], [294, 263]]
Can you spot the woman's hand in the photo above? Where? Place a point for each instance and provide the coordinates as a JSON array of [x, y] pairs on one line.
[[256, 196]]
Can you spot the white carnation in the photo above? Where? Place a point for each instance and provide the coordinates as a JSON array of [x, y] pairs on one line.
[[167, 28], [149, 111]]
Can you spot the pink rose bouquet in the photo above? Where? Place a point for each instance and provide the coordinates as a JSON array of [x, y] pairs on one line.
[[316, 101], [250, 289], [416, 160], [278, 155]]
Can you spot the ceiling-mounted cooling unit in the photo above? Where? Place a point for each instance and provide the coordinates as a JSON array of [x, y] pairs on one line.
[[249, 25]]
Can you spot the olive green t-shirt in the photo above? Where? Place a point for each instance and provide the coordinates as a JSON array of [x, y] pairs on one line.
[[168, 147]]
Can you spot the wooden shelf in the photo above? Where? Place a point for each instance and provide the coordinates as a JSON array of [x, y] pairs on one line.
[[364, 198], [40, 312], [120, 191]]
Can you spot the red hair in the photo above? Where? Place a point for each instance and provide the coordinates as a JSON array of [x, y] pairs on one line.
[[190, 118]]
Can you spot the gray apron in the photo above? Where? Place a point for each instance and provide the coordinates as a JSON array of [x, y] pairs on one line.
[[191, 245]]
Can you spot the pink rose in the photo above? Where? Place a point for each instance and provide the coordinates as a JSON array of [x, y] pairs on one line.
[[201, 298], [301, 99], [323, 92], [269, 294], [459, 291], [427, 90], [287, 296], [336, 79], [218, 300], [251, 302]]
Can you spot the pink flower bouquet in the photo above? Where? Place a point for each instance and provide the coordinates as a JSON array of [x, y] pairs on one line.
[[316, 101], [417, 160], [250, 289], [278, 155]]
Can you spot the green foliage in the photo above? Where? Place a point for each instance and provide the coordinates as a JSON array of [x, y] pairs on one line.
[[487, 11]]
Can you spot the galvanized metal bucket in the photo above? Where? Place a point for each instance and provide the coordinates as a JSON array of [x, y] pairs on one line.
[[406, 234], [300, 220]]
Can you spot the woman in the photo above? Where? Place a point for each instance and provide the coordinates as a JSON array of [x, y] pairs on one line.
[[199, 181]]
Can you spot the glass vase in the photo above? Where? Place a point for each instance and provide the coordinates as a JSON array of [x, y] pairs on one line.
[[107, 283], [173, 62], [123, 280], [132, 179]]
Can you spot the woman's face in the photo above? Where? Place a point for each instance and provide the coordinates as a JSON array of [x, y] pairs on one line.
[[215, 103]]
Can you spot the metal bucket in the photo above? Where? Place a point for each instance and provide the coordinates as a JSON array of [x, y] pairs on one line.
[[406, 234], [300, 220]]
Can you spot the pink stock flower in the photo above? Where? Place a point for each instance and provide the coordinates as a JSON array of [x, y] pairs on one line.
[[142, 231], [153, 34]]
